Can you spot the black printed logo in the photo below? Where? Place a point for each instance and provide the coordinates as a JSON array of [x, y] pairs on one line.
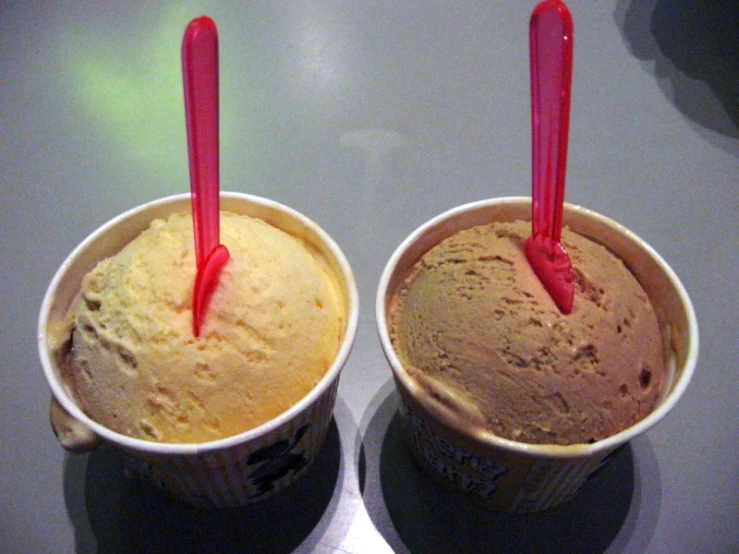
[[277, 460]]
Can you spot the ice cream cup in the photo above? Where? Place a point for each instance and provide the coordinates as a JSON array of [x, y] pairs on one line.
[[232, 471], [505, 475]]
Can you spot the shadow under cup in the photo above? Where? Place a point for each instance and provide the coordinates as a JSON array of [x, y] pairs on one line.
[[505, 475], [232, 471]]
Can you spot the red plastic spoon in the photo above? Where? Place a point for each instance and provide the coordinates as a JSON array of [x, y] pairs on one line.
[[550, 42], [200, 80]]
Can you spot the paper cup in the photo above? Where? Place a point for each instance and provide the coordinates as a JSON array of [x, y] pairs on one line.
[[505, 475], [232, 471]]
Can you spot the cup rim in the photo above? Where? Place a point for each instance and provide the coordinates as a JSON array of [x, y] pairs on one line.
[[542, 450], [193, 448]]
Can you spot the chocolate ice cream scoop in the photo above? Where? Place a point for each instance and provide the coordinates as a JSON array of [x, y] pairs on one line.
[[476, 328]]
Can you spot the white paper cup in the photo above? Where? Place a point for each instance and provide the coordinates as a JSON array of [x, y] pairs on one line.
[[232, 471], [501, 474]]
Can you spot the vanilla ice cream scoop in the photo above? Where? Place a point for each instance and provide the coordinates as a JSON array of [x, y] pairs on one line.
[[273, 329], [475, 328]]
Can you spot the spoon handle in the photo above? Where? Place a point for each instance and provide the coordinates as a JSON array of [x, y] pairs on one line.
[[200, 80], [551, 45]]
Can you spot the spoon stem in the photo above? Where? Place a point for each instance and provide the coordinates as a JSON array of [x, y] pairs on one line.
[[551, 46], [200, 79], [550, 42]]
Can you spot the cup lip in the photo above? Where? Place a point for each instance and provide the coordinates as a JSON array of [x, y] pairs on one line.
[[189, 448], [541, 450]]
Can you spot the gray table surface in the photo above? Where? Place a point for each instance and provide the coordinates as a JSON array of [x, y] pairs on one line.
[[370, 118]]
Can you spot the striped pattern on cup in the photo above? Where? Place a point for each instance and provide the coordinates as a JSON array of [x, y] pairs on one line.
[[243, 473], [494, 479]]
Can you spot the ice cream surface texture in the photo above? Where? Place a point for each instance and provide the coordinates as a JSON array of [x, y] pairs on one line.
[[273, 329], [474, 327]]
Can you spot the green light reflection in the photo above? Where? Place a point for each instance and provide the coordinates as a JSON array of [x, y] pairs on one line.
[[128, 87]]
